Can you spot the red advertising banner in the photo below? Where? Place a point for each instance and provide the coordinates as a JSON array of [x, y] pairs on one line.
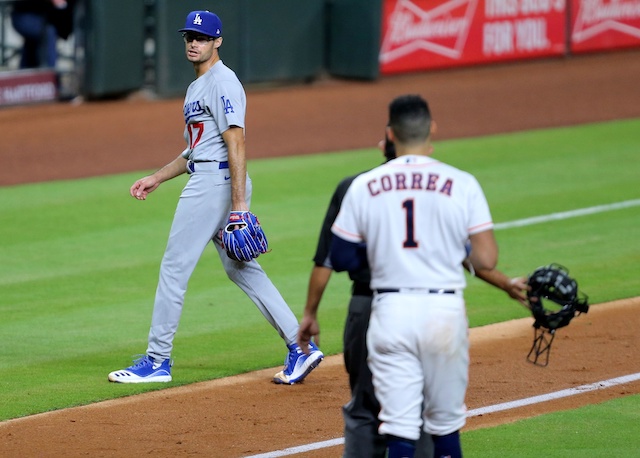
[[604, 24], [27, 86], [427, 34]]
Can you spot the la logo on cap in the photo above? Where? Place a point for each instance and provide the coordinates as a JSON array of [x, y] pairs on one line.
[[204, 22]]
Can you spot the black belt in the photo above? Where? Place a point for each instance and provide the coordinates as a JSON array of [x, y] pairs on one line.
[[430, 291]]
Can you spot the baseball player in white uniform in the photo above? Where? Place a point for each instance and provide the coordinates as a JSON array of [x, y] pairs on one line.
[[214, 115], [410, 219]]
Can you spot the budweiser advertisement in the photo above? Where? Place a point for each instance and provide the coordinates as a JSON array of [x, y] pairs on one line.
[[604, 24], [426, 34]]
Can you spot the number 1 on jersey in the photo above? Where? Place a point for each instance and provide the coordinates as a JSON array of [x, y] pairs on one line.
[[410, 241]]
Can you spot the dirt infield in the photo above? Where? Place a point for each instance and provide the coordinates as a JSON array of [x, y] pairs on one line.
[[247, 414], [61, 141]]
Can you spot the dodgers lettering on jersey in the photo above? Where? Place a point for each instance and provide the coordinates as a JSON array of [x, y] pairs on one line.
[[213, 103], [192, 109], [415, 215]]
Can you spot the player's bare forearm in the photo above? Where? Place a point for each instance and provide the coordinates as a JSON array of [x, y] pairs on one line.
[[173, 169], [484, 250], [318, 281], [309, 327], [515, 287], [141, 188], [234, 138]]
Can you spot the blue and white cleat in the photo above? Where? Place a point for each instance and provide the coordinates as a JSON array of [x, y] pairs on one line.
[[144, 370], [297, 364]]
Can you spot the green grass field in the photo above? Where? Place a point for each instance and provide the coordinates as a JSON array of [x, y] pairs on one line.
[[79, 263]]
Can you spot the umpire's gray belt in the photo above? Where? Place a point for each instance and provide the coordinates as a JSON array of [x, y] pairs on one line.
[[415, 291], [192, 166]]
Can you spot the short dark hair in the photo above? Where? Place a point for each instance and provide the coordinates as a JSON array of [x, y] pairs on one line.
[[410, 119]]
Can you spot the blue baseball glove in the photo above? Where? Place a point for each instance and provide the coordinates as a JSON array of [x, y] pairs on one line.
[[243, 237]]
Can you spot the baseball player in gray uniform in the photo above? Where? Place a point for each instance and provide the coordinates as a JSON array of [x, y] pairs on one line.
[[214, 158], [415, 215]]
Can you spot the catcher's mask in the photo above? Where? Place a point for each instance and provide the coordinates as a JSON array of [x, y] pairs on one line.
[[551, 282]]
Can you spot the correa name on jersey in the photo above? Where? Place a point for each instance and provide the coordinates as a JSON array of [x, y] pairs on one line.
[[413, 181]]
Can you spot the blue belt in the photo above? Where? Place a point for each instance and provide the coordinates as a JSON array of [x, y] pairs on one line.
[[408, 290], [191, 165]]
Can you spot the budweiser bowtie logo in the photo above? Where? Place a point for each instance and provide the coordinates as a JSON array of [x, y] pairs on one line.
[[599, 16], [441, 30]]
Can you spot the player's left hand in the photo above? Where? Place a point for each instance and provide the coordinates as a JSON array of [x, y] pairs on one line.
[[243, 238]]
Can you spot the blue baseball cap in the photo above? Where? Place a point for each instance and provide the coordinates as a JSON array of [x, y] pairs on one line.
[[204, 22]]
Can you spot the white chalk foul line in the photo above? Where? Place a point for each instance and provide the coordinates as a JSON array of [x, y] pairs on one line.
[[475, 412], [556, 395], [566, 215], [300, 449]]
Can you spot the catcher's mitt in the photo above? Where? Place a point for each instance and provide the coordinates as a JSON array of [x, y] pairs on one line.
[[551, 282], [243, 238]]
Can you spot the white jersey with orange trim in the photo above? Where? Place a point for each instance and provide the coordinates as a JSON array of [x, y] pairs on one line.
[[415, 214]]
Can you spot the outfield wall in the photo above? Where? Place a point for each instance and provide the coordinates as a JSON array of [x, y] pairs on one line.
[[123, 46]]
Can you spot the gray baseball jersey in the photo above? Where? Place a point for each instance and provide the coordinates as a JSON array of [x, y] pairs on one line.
[[213, 103]]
